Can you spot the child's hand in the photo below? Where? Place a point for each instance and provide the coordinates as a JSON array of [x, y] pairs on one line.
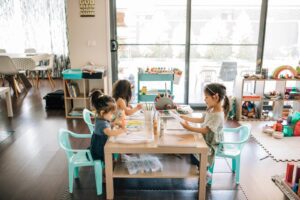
[[139, 106], [183, 117], [185, 124]]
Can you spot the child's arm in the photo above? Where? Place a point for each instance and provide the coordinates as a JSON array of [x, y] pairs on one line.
[[203, 130], [192, 119], [128, 111], [110, 132]]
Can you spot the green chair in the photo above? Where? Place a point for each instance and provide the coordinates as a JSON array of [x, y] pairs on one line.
[[87, 117], [233, 149], [79, 158]]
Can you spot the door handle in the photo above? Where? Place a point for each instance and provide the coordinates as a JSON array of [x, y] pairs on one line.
[[114, 45]]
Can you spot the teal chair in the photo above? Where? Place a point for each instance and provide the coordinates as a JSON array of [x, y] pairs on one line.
[[233, 149], [87, 117], [79, 158]]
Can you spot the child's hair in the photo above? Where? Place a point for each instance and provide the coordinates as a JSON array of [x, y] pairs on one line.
[[102, 102], [217, 88], [122, 89]]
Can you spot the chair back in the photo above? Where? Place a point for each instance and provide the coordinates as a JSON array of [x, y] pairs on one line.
[[2, 51], [7, 66], [24, 63], [87, 117], [64, 142], [30, 50], [242, 135], [228, 71]]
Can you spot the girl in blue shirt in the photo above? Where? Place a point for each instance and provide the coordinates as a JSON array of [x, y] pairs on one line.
[[105, 106]]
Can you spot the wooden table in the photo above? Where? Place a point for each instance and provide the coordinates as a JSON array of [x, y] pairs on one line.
[[6, 91], [172, 168]]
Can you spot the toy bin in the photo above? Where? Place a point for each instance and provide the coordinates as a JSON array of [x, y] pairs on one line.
[[287, 131], [72, 74]]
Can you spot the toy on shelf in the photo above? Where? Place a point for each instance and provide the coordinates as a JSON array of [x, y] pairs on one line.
[[278, 126], [273, 95], [164, 102], [292, 93], [144, 90], [253, 76], [290, 72], [248, 109]]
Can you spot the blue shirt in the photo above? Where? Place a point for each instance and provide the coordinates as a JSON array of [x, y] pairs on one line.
[[99, 139], [100, 125]]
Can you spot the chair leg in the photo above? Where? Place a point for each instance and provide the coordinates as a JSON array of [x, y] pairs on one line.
[[71, 178], [37, 81], [233, 165], [76, 172], [98, 176], [211, 170], [50, 79], [237, 170]]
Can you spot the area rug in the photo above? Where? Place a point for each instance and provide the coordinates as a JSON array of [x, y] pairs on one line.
[[286, 149]]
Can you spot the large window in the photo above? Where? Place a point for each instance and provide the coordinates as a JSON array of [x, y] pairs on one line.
[[224, 40], [38, 24], [282, 40]]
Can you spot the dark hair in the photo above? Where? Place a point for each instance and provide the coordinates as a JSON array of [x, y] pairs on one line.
[[217, 88], [102, 102], [122, 89]]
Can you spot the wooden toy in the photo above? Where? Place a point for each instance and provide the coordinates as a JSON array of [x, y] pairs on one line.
[[277, 135], [267, 129], [297, 129], [287, 131], [291, 72], [278, 126], [289, 172], [297, 176]]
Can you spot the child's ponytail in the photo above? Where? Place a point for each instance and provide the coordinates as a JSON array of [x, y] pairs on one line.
[[95, 95], [226, 106]]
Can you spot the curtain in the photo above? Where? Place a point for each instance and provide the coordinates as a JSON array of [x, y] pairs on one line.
[[38, 24]]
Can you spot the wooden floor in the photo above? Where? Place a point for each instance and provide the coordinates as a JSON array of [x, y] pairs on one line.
[[33, 167]]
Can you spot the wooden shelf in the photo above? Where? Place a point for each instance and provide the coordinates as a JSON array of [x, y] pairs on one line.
[[250, 99], [173, 167], [257, 87]]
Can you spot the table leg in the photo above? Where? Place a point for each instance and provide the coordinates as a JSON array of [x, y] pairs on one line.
[[109, 176], [202, 175], [8, 103]]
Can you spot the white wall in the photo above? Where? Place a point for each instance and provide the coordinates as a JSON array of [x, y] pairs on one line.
[[89, 37]]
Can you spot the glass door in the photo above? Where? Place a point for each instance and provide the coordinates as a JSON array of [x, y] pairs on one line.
[[149, 33]]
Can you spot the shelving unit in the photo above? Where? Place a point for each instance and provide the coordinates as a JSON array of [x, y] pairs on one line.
[[262, 105], [75, 102], [148, 77]]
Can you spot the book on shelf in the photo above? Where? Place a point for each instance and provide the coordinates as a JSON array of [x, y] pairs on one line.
[[73, 89]]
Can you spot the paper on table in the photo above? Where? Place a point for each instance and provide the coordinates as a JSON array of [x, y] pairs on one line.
[[173, 125], [132, 138], [176, 116]]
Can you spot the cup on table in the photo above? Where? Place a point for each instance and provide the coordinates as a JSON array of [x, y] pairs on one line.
[[148, 115]]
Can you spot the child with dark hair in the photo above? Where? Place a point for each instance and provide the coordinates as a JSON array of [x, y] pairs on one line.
[[122, 94], [213, 119], [105, 106]]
